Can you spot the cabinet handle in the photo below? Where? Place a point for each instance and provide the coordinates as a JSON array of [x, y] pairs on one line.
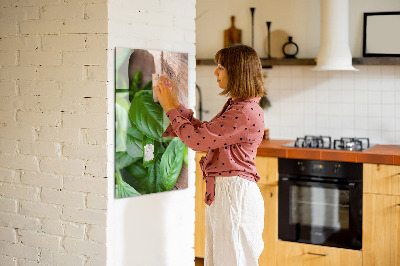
[[318, 254], [398, 204]]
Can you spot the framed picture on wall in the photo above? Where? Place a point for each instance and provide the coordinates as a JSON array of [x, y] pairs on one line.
[[146, 162], [381, 34]]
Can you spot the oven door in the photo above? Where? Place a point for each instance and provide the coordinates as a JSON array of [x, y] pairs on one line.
[[320, 212]]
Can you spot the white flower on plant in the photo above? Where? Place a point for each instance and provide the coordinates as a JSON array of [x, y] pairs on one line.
[[148, 152]]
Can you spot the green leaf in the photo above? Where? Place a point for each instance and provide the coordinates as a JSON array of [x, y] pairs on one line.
[[123, 189], [185, 155], [147, 115], [122, 123], [171, 164], [135, 85], [122, 99], [136, 176], [140, 178], [122, 55], [121, 68], [134, 142], [148, 86], [122, 159], [155, 173]]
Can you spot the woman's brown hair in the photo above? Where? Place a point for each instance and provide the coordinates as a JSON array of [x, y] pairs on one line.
[[245, 78]]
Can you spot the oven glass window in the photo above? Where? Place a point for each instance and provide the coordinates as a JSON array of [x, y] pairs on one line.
[[318, 207]]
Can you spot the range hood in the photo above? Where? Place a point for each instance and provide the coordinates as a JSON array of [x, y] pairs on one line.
[[334, 51]]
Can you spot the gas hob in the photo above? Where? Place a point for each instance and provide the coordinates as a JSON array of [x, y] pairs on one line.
[[325, 142]]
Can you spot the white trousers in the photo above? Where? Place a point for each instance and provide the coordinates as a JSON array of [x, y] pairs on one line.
[[234, 223]]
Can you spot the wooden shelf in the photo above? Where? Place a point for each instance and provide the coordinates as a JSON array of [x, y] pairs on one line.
[[312, 61], [376, 61]]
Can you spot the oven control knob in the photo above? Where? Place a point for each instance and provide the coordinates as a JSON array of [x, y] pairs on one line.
[[336, 169], [302, 167]]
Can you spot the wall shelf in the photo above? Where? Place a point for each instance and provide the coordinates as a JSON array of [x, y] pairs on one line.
[[312, 61]]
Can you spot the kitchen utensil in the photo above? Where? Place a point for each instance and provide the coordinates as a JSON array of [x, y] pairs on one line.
[[232, 35], [252, 9], [269, 38]]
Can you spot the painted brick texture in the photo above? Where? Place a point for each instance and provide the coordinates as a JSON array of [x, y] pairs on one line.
[[53, 109]]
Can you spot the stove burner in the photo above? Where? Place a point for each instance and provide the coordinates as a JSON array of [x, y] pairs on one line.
[[308, 141], [351, 144], [324, 142]]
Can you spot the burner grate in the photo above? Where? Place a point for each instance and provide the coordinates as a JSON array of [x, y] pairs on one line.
[[320, 142], [351, 144], [324, 142]]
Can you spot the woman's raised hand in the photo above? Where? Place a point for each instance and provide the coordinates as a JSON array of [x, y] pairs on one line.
[[165, 93], [174, 90]]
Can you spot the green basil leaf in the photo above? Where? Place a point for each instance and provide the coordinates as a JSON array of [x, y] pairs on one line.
[[122, 159], [122, 123], [171, 164], [134, 142], [123, 189], [135, 85], [121, 56], [121, 67], [144, 180], [155, 173], [147, 115], [136, 176], [148, 86], [185, 155]]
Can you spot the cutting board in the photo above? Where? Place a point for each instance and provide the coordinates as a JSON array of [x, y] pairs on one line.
[[232, 35]]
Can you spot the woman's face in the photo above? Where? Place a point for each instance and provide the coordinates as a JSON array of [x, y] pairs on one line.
[[222, 76]]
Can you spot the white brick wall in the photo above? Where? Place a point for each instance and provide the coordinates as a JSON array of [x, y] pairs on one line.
[[53, 107]]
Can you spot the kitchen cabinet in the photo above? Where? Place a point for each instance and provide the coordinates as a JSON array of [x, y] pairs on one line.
[[381, 215], [200, 207], [267, 167], [270, 233], [381, 230], [381, 179], [298, 254]]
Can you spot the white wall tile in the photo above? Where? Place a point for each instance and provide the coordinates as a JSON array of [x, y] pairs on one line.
[[388, 110], [361, 123], [322, 102], [388, 97], [388, 124], [374, 110]]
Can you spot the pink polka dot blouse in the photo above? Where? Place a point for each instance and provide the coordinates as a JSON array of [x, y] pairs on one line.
[[231, 139]]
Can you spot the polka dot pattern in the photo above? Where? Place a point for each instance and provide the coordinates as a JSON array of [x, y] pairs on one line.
[[231, 139]]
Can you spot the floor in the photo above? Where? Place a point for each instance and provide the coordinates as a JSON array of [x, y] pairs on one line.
[[199, 262]]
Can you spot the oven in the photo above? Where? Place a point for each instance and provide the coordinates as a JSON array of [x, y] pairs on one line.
[[320, 202]]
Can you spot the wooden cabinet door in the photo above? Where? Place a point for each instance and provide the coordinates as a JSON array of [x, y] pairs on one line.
[[297, 254], [267, 168], [381, 230], [381, 179], [200, 207], [270, 233]]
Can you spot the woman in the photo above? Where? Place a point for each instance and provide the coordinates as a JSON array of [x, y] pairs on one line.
[[235, 207]]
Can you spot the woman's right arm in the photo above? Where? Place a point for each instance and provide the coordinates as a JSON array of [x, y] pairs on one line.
[[186, 113]]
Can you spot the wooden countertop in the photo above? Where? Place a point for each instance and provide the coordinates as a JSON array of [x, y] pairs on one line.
[[379, 154]]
